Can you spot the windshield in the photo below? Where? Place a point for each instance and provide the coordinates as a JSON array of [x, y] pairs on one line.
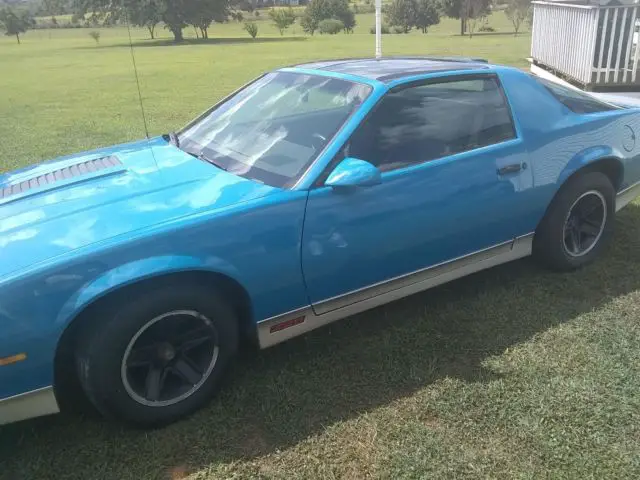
[[273, 129]]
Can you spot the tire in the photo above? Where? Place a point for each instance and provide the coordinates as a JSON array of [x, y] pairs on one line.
[[112, 351], [555, 240]]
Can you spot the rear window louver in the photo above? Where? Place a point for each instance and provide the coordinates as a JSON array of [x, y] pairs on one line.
[[66, 173]]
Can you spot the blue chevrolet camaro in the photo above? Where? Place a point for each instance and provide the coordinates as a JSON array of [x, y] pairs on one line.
[[129, 274]]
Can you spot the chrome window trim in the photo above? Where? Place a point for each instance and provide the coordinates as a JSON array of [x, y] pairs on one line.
[[627, 195], [336, 308], [28, 405]]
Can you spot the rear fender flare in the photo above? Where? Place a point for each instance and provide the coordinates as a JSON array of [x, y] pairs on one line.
[[588, 157]]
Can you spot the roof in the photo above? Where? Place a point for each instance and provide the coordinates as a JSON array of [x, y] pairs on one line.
[[391, 68]]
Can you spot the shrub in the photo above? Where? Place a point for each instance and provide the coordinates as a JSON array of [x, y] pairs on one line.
[[399, 29], [282, 18], [318, 10], [486, 28], [384, 29], [257, 13], [95, 35], [330, 26], [251, 28]]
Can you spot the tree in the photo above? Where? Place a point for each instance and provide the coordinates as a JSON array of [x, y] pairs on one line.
[[341, 11], [517, 12], [347, 17], [145, 13], [474, 11], [427, 14], [282, 18], [14, 23], [314, 13], [308, 24], [175, 14], [202, 13], [460, 8], [401, 14], [318, 10]]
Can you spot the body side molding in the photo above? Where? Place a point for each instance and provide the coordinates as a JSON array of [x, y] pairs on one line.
[[305, 319]]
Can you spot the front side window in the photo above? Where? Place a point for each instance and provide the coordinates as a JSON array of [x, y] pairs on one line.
[[272, 130], [431, 121]]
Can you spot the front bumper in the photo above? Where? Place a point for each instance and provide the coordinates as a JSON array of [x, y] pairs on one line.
[[28, 405]]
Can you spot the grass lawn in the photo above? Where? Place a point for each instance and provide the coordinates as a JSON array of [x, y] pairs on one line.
[[510, 373], [62, 93]]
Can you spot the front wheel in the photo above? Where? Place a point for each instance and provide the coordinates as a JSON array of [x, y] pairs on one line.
[[159, 357], [578, 224]]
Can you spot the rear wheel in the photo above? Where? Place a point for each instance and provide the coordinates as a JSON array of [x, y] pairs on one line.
[[578, 224], [159, 357]]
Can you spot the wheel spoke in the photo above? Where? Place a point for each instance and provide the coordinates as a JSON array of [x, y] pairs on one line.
[[186, 371], [572, 239], [575, 238], [193, 338], [154, 383], [590, 227], [588, 208], [186, 346], [142, 356]]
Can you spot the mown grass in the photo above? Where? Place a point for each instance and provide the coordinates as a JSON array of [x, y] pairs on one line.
[[511, 373], [61, 93]]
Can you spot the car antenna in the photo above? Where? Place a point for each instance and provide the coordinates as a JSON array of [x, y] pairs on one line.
[[135, 71], [378, 29]]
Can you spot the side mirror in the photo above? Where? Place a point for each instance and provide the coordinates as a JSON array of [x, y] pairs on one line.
[[352, 172]]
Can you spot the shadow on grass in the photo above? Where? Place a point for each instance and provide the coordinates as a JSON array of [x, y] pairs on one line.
[[197, 41], [285, 394]]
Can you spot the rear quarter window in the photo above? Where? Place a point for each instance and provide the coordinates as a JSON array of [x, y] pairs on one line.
[[575, 100]]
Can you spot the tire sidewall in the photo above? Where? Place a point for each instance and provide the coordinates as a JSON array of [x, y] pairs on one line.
[[549, 244], [101, 354]]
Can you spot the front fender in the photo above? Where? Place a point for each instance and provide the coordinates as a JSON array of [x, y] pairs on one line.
[[135, 271]]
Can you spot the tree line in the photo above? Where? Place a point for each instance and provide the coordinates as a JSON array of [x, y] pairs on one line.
[[323, 16]]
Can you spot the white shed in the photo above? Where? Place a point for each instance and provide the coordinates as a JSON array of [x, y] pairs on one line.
[[592, 44]]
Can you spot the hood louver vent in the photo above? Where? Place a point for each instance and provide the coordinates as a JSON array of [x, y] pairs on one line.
[[66, 173]]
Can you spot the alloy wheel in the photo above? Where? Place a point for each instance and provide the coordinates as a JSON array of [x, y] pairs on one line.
[[170, 358]]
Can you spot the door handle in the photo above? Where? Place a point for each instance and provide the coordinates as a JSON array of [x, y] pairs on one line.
[[513, 168]]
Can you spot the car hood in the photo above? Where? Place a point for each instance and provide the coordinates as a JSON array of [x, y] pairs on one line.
[[71, 202]]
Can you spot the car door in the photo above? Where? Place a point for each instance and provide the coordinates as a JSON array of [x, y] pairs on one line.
[[453, 168]]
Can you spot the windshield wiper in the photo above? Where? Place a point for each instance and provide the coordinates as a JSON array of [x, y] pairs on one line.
[[213, 162], [204, 158], [173, 138]]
